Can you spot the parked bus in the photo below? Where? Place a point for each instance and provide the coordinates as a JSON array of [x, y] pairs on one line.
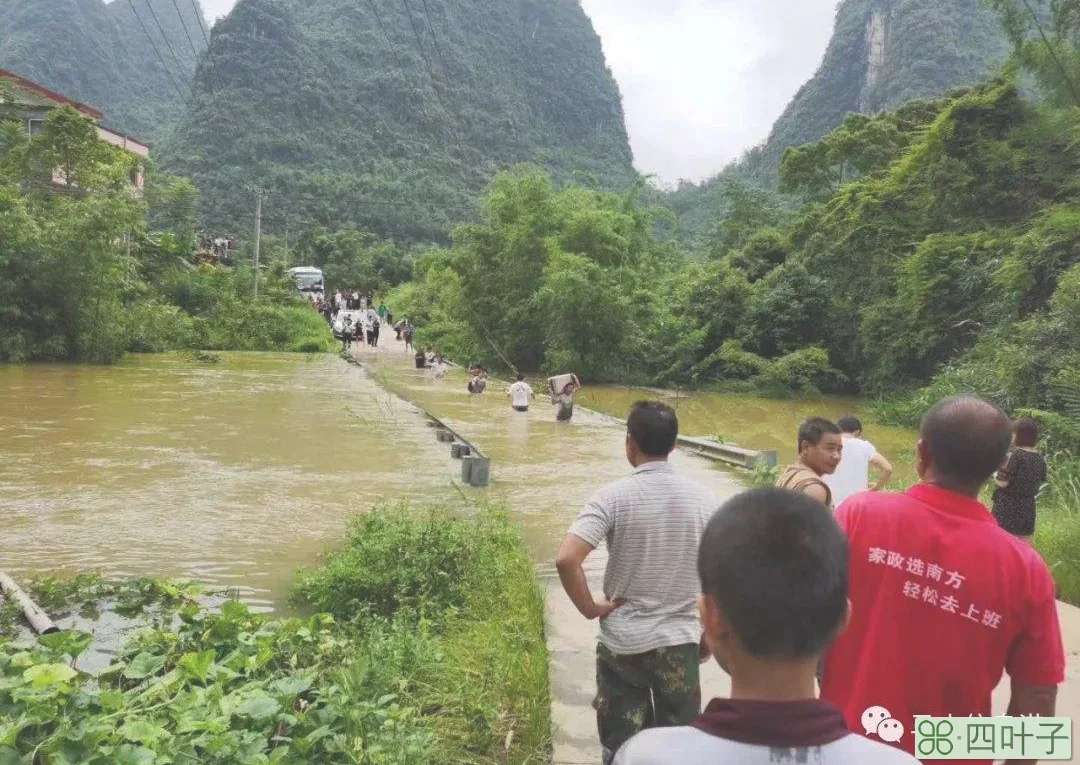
[[308, 280]]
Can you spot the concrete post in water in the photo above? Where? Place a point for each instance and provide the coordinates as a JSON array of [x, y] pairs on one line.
[[458, 451], [38, 619], [480, 472], [466, 470], [444, 436]]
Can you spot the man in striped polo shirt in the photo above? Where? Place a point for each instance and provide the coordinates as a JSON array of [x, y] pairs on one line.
[[648, 658]]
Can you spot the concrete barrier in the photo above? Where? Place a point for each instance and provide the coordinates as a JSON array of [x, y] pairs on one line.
[[445, 436], [459, 451], [476, 471], [747, 459]]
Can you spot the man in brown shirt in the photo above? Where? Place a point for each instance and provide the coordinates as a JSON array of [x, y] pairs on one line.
[[820, 447]]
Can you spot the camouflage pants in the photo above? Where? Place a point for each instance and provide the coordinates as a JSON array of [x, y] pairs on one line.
[[647, 690]]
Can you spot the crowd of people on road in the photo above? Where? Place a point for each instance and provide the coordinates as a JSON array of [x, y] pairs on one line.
[[892, 604]]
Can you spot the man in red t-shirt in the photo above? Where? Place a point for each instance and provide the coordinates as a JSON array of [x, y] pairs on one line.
[[943, 601]]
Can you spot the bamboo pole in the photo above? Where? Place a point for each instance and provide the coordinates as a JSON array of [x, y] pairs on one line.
[[38, 619]]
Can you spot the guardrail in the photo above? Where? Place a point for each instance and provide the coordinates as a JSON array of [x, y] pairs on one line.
[[475, 466], [710, 448], [747, 459]]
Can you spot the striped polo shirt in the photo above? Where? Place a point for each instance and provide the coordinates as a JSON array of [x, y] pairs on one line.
[[652, 523]]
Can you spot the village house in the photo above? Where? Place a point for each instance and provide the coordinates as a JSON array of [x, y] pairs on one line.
[[34, 102]]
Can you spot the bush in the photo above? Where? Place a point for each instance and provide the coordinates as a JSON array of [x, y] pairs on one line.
[[446, 664]]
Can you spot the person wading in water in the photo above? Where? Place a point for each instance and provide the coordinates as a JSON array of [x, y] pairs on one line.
[[820, 448], [562, 390]]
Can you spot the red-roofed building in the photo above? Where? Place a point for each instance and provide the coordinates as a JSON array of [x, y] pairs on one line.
[[35, 101]]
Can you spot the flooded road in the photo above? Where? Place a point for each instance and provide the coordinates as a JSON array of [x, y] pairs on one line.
[[763, 424], [232, 474], [236, 473]]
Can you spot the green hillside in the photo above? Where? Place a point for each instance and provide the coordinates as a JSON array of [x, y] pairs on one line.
[[394, 114], [98, 53], [883, 54]]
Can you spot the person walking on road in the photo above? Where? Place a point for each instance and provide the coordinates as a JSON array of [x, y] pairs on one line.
[[520, 393], [1018, 482], [774, 589], [649, 654], [852, 475], [820, 448], [943, 601]]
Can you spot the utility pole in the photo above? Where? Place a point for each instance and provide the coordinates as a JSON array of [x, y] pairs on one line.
[[258, 234], [286, 245]]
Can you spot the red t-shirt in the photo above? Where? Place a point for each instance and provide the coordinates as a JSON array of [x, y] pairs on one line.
[[943, 601]]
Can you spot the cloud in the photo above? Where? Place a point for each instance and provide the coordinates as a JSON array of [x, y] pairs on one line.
[[702, 80]]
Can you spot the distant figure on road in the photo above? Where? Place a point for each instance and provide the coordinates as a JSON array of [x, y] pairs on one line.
[[520, 393], [820, 447], [408, 333], [774, 589], [852, 475], [383, 310], [943, 601], [1018, 482], [649, 656]]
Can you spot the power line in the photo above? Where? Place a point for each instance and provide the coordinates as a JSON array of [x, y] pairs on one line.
[[393, 49], [164, 36], [434, 39], [183, 24], [206, 39], [431, 76], [168, 72]]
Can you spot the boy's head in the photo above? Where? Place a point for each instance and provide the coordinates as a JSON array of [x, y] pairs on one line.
[[520, 377], [850, 425], [774, 579], [820, 445]]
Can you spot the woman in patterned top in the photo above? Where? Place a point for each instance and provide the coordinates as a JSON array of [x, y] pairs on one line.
[[1019, 481]]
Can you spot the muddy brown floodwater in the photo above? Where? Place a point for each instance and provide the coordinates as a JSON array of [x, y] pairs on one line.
[[236, 473]]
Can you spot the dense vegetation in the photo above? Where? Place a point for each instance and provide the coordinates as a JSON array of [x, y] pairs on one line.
[[927, 47], [392, 116], [407, 663], [98, 53], [81, 279]]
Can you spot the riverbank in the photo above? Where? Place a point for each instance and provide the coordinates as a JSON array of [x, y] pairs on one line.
[[404, 663]]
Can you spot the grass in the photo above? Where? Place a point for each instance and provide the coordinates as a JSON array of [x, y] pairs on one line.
[[425, 645], [480, 668]]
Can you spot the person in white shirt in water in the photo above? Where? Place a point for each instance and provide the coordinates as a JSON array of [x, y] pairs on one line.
[[774, 595], [852, 475], [520, 393]]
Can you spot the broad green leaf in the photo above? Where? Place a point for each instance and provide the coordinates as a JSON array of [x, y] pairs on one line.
[[69, 642], [259, 708], [143, 666], [133, 755], [291, 686], [45, 675], [196, 666], [144, 732], [112, 701]]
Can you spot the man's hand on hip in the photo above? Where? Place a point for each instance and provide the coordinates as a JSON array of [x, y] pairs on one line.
[[603, 607]]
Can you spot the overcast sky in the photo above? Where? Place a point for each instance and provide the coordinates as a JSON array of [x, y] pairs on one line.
[[702, 80]]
